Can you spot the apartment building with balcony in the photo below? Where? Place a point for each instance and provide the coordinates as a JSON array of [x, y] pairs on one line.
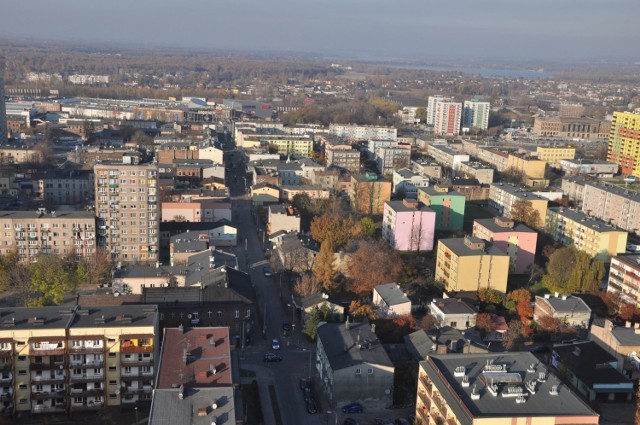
[[393, 158], [624, 278], [514, 239], [407, 182], [503, 196], [448, 205], [589, 234], [624, 141], [447, 156], [31, 233], [470, 264], [67, 360], [488, 389], [67, 187], [613, 204], [126, 205]]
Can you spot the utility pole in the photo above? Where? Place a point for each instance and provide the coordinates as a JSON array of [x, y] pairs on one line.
[[264, 325]]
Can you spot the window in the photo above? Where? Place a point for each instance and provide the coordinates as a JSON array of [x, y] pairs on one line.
[[209, 314], [358, 371], [112, 368], [370, 371], [22, 372], [219, 315], [22, 386], [236, 314], [161, 314], [453, 324], [113, 382], [112, 355], [22, 400]]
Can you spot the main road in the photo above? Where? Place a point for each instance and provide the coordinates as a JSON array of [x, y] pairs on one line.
[[297, 359]]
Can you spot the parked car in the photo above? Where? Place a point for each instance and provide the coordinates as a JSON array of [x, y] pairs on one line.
[[304, 383], [350, 421], [286, 326], [353, 408], [275, 344], [266, 270], [401, 421], [311, 406], [270, 357], [382, 421], [306, 393]]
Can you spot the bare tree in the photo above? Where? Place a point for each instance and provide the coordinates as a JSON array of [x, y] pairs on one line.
[[306, 285]]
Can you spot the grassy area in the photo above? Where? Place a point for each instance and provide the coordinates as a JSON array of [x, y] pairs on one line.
[[274, 405], [246, 373], [252, 406]]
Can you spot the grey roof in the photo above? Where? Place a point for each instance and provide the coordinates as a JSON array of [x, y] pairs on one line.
[[114, 316], [419, 344], [583, 219], [34, 215], [168, 409], [335, 338], [570, 305], [590, 363], [626, 336], [454, 306], [440, 369], [458, 246], [491, 224], [406, 173], [431, 191], [399, 206], [392, 294], [617, 190], [518, 191]]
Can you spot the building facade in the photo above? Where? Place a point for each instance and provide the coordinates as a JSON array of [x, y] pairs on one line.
[[624, 278], [447, 118], [503, 196], [347, 159], [624, 142], [447, 204], [126, 205], [363, 132], [568, 127], [553, 155], [613, 204], [368, 193], [476, 114], [568, 309], [516, 240], [408, 226]]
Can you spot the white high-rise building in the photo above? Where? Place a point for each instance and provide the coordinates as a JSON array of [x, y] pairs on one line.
[[4, 131], [447, 118], [431, 107], [476, 114]]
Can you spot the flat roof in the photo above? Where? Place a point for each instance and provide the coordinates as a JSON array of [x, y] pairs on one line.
[[399, 206], [508, 372], [195, 408], [59, 215], [581, 218], [491, 224], [458, 246], [617, 190]]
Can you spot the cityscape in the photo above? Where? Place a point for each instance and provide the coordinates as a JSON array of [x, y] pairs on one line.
[[279, 232]]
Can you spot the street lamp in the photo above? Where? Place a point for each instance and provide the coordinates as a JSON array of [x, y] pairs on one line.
[[335, 418], [136, 409]]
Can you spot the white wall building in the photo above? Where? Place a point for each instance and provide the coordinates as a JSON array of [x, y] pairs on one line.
[[476, 114]]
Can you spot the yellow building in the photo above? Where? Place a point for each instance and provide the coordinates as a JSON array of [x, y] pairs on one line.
[[553, 155], [469, 264], [624, 142], [495, 389], [71, 359], [532, 168], [589, 234], [503, 197], [368, 193]]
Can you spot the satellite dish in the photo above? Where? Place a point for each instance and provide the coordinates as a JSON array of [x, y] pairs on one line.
[[189, 316]]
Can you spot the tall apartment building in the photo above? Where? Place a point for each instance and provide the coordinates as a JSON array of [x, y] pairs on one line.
[[393, 158], [70, 234], [447, 118], [516, 240], [127, 210], [447, 203], [589, 234], [488, 389], [408, 225], [431, 107], [4, 130], [624, 278], [67, 360], [624, 142], [476, 114], [470, 264], [67, 187], [613, 204], [347, 159]]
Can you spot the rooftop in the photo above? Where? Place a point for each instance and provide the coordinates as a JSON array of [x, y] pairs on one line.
[[49, 215], [195, 408], [568, 303], [453, 306], [583, 219], [401, 206], [392, 294], [519, 192], [461, 249], [590, 363], [507, 375], [490, 223], [632, 195]]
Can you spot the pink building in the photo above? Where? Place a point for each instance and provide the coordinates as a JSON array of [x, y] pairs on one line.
[[516, 240], [196, 211], [408, 225]]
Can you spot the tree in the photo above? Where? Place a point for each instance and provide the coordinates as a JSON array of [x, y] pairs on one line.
[[359, 309], [570, 271], [368, 227], [522, 300], [393, 329], [373, 263], [339, 230], [513, 336], [314, 317], [513, 176], [50, 281], [8, 263], [429, 323], [628, 312], [489, 296], [323, 268], [484, 322], [306, 285], [523, 211]]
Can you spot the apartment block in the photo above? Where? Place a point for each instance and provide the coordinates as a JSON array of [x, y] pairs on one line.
[[613, 204], [573, 167], [126, 205], [624, 278], [487, 389], [69, 234], [569, 127], [347, 159], [476, 114], [446, 156], [407, 182], [514, 239], [363, 132], [573, 187], [429, 169], [431, 107], [553, 155], [408, 225], [447, 204], [447, 118], [476, 170], [498, 158], [470, 264], [368, 193], [589, 234], [374, 144], [624, 142], [68, 360], [19, 155], [531, 167], [393, 158], [502, 197], [67, 187]]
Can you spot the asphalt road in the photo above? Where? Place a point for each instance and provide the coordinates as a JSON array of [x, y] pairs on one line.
[[285, 375]]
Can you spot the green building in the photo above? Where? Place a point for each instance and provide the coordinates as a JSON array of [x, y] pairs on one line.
[[448, 205]]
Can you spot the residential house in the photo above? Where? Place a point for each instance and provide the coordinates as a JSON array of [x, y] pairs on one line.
[[454, 312], [568, 309], [390, 300], [406, 182], [282, 218], [264, 194], [623, 342]]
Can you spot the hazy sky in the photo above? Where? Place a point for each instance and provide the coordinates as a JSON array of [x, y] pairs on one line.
[[406, 29]]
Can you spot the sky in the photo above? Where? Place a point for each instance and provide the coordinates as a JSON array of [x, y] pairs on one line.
[[421, 30]]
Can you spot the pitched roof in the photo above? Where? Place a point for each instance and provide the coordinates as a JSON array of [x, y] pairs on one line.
[[453, 306], [572, 304], [353, 346], [590, 363], [391, 294]]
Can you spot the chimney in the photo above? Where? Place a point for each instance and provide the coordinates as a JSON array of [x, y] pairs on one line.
[[557, 294], [627, 324], [546, 296], [346, 324]]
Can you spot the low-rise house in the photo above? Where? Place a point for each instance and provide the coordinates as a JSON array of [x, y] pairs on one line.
[[407, 182], [264, 193], [352, 364], [568, 309], [593, 372], [390, 300], [454, 312], [287, 192], [282, 218], [623, 342], [321, 300]]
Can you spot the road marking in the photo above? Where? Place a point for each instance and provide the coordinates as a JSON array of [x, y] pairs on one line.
[[259, 263]]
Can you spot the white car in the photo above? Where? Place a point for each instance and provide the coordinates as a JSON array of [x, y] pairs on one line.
[[275, 344]]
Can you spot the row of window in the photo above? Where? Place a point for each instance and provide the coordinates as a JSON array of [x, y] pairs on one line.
[[196, 315]]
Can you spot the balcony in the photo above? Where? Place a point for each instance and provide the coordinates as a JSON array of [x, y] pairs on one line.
[[87, 365], [145, 389], [136, 362], [90, 405], [45, 395], [148, 373], [86, 349], [48, 409], [87, 378], [86, 392], [426, 401], [48, 379], [45, 365]]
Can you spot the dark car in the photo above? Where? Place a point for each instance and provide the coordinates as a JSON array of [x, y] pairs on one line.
[[350, 421], [382, 421], [401, 421], [306, 393], [311, 406], [353, 408], [267, 271], [270, 357]]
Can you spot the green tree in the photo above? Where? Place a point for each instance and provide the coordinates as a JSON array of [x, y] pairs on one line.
[[82, 272], [570, 271], [323, 267], [51, 279], [8, 264], [368, 227], [489, 296], [314, 317]]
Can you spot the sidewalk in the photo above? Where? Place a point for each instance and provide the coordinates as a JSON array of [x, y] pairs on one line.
[[264, 379]]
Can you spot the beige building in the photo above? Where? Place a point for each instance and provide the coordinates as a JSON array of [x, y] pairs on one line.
[[476, 170], [613, 204], [589, 234], [65, 234], [470, 264], [502, 197], [531, 167], [569, 127], [495, 389], [368, 193], [623, 342], [126, 205], [14, 155], [73, 359], [553, 155], [568, 309]]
